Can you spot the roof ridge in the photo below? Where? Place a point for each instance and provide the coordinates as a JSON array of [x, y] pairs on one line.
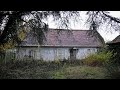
[[77, 38], [70, 29], [116, 38]]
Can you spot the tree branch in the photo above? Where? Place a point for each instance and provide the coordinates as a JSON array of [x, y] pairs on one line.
[[112, 18]]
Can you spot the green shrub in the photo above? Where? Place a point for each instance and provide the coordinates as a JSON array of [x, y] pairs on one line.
[[115, 48], [98, 59], [112, 65], [113, 69]]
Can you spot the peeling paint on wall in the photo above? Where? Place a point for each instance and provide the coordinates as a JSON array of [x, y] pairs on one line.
[[50, 54]]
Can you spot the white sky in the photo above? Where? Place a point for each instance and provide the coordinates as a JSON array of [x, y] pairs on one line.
[[108, 36]]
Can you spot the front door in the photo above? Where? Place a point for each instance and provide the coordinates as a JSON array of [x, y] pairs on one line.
[[73, 53]]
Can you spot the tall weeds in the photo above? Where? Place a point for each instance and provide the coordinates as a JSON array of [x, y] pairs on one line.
[[98, 59]]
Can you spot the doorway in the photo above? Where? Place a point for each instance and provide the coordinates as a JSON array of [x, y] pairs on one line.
[[73, 53]]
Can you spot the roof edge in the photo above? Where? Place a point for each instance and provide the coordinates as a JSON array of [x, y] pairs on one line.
[[70, 29], [59, 46]]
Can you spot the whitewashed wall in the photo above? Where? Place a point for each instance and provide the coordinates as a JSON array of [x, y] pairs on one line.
[[84, 52], [52, 53]]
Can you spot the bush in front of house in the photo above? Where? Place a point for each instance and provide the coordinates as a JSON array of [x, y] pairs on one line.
[[113, 68], [113, 64], [113, 71], [116, 50], [98, 59]]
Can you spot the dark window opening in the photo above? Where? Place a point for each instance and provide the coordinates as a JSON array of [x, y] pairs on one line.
[[30, 53], [73, 53]]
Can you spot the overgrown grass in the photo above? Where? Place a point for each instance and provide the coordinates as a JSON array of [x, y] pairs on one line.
[[80, 72], [27, 69], [113, 69], [95, 66], [49, 70]]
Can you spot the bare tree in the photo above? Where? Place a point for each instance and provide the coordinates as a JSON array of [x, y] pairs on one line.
[[98, 18], [11, 20]]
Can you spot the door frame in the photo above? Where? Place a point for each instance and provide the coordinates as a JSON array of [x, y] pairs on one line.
[[73, 52]]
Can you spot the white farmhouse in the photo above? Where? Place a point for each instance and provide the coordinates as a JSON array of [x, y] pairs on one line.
[[60, 44]]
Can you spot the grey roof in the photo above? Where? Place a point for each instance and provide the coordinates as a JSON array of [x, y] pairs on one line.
[[65, 38]]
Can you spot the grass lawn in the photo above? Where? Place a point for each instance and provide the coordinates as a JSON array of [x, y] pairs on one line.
[[49, 70], [80, 72]]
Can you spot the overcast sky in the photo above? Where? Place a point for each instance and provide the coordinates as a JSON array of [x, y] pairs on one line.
[[108, 36]]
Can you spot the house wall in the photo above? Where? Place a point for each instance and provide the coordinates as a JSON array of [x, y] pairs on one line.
[[51, 54], [84, 52]]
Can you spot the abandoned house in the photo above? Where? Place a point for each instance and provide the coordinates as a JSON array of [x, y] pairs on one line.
[[60, 44]]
